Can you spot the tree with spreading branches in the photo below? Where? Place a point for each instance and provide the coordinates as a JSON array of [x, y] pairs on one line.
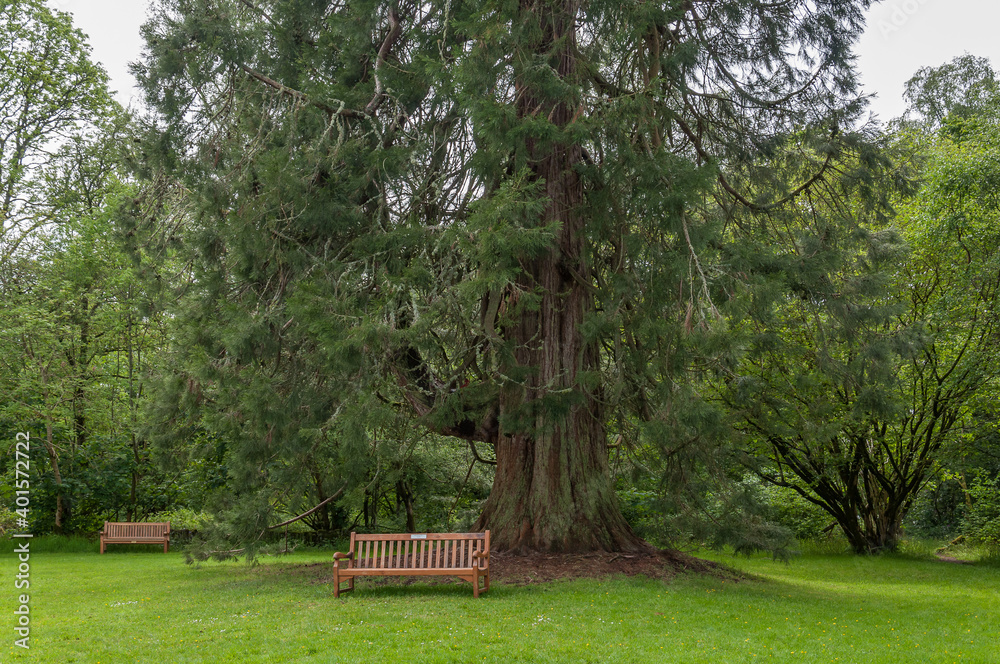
[[500, 221]]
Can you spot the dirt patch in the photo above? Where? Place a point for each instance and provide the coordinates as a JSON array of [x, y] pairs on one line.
[[949, 559]]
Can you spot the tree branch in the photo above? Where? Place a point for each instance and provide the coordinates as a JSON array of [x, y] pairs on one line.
[[305, 514], [301, 96]]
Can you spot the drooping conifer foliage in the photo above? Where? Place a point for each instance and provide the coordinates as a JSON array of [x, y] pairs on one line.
[[498, 220]]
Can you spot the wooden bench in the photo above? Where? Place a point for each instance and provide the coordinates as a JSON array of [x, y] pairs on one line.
[[136, 533], [465, 555]]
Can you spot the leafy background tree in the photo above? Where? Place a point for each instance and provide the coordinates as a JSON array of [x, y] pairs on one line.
[[953, 228], [51, 89], [854, 386], [73, 339]]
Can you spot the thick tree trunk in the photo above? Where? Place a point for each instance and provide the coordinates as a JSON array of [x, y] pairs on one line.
[[552, 490], [876, 533], [869, 515]]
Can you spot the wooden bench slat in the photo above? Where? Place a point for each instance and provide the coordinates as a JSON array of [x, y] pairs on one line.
[[135, 533], [465, 555], [459, 571], [380, 537]]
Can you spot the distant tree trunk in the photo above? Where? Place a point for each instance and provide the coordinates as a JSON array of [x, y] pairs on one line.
[[133, 498], [133, 490], [552, 490], [61, 507], [404, 496], [370, 510], [321, 520], [80, 361]]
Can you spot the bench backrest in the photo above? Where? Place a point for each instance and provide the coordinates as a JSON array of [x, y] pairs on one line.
[[136, 530], [418, 551]]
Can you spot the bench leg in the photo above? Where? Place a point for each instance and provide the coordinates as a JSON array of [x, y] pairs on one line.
[[477, 575], [166, 546], [337, 581], [102, 547], [337, 589]]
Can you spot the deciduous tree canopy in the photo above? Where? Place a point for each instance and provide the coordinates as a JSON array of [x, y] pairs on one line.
[[50, 89]]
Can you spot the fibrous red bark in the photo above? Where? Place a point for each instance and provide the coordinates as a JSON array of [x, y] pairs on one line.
[[552, 490]]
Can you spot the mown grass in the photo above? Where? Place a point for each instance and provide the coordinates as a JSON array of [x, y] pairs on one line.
[[134, 605]]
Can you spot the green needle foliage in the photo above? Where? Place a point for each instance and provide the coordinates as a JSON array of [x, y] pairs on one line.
[[500, 221]]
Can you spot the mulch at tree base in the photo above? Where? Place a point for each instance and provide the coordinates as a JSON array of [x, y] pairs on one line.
[[522, 570], [542, 567]]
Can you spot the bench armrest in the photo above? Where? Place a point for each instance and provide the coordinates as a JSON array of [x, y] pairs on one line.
[[344, 556], [482, 555]]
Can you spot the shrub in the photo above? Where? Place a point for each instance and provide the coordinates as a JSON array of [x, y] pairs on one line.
[[182, 519], [8, 521], [789, 509], [982, 522]]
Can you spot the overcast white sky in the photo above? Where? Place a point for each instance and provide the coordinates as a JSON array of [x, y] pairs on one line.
[[902, 36]]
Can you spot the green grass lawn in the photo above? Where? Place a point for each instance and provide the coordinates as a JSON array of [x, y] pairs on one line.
[[141, 606]]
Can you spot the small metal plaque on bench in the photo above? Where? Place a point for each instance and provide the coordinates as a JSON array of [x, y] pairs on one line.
[[418, 536]]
